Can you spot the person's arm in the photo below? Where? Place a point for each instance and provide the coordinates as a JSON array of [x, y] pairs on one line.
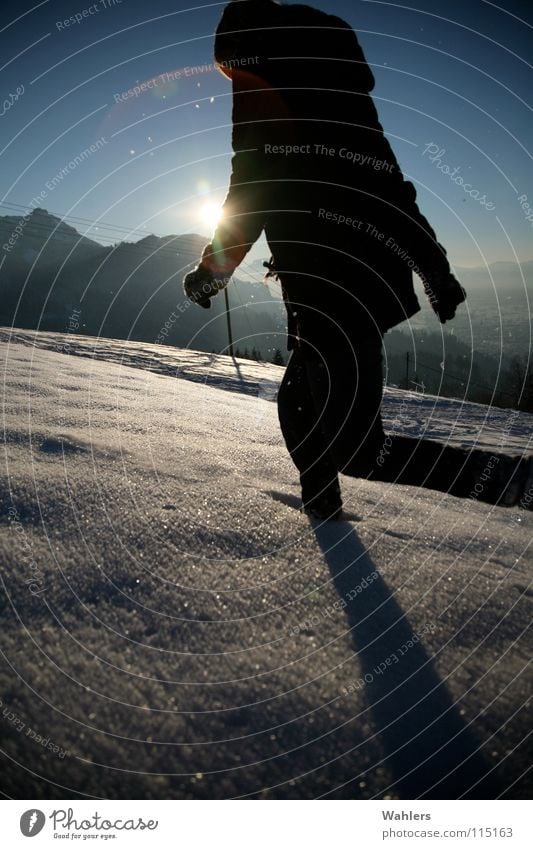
[[242, 218], [411, 228], [241, 225], [443, 290]]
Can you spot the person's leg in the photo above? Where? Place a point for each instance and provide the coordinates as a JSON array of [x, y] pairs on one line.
[[346, 388], [464, 473], [304, 436], [336, 423]]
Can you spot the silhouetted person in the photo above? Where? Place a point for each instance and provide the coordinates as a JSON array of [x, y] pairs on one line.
[[313, 170]]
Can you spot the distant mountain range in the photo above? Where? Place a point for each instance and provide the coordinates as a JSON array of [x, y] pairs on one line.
[[504, 275], [132, 290]]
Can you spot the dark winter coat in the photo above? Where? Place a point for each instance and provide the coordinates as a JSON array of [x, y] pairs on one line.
[[313, 169]]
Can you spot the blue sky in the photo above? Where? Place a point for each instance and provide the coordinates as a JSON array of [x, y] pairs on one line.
[[448, 74]]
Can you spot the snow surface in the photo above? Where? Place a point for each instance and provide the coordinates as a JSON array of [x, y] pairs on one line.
[[177, 629]]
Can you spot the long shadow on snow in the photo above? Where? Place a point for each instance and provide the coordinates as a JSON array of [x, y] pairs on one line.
[[428, 748]]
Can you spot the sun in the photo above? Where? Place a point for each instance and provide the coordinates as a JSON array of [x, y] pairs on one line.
[[210, 214]]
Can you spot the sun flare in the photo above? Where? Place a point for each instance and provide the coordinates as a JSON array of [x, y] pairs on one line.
[[210, 214]]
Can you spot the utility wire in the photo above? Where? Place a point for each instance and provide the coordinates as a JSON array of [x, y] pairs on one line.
[[465, 380]]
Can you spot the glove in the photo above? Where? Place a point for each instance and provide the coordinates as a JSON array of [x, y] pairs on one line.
[[445, 293], [201, 285]]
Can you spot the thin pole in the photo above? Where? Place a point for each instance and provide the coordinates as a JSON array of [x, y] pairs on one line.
[[407, 370], [228, 319]]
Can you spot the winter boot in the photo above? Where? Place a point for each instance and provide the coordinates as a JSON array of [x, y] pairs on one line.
[[327, 505]]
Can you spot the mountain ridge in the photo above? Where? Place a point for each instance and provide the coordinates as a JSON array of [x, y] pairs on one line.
[[127, 290]]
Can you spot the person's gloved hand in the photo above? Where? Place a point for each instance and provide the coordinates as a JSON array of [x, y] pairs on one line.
[[201, 285], [445, 293]]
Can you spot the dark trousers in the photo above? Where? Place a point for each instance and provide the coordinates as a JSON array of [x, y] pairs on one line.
[[329, 407]]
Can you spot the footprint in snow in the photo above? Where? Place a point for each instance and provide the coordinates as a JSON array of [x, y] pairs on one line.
[[62, 445]]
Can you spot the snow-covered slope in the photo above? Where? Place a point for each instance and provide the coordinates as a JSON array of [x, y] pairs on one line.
[[177, 629]]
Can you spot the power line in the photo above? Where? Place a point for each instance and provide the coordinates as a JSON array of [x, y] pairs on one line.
[[447, 375], [84, 222], [90, 224], [188, 240]]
